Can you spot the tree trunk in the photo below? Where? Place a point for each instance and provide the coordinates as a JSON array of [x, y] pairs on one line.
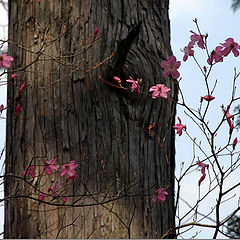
[[68, 112]]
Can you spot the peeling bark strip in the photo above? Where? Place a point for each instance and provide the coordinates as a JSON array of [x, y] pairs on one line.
[[68, 113]]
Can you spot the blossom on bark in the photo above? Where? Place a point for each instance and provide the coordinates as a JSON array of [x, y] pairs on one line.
[[6, 60], [30, 170], [50, 166], [197, 38], [22, 87], [41, 196], [117, 79], [17, 109], [135, 84], [179, 127], [95, 32], [69, 170], [160, 195], [13, 76], [54, 189], [64, 199], [170, 67], [159, 90]]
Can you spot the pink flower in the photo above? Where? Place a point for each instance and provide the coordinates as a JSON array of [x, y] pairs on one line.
[[179, 127], [41, 196], [160, 195], [203, 166], [69, 170], [159, 90], [1, 108], [135, 84], [95, 32], [117, 79], [235, 141], [22, 87], [230, 45], [230, 117], [188, 51], [17, 109], [201, 179], [208, 98], [50, 166], [64, 199], [5, 60], [54, 189], [216, 55], [197, 38], [30, 170], [170, 67], [13, 76]]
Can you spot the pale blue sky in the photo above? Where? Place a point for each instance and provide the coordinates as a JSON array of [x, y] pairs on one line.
[[216, 18]]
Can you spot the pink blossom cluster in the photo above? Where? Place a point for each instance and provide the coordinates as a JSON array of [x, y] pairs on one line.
[[217, 55], [224, 50], [49, 168], [160, 195], [5, 61], [195, 39], [170, 69]]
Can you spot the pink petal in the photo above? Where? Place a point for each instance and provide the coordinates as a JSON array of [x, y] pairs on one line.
[[175, 74], [235, 52], [172, 60], [63, 172], [164, 64], [201, 179], [161, 197], [153, 88]]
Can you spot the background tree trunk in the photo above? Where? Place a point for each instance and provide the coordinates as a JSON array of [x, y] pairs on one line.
[[67, 112]]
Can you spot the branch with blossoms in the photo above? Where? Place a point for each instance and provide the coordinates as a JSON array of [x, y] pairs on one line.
[[211, 165], [215, 173], [210, 155], [49, 182]]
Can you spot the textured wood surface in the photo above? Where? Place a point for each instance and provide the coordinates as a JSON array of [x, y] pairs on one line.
[[68, 113]]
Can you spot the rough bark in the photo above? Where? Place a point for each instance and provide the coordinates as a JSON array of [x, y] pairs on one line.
[[69, 113]]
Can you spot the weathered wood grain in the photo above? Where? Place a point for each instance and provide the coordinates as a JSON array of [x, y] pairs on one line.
[[68, 113]]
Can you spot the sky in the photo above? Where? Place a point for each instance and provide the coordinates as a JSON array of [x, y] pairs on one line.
[[216, 18]]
